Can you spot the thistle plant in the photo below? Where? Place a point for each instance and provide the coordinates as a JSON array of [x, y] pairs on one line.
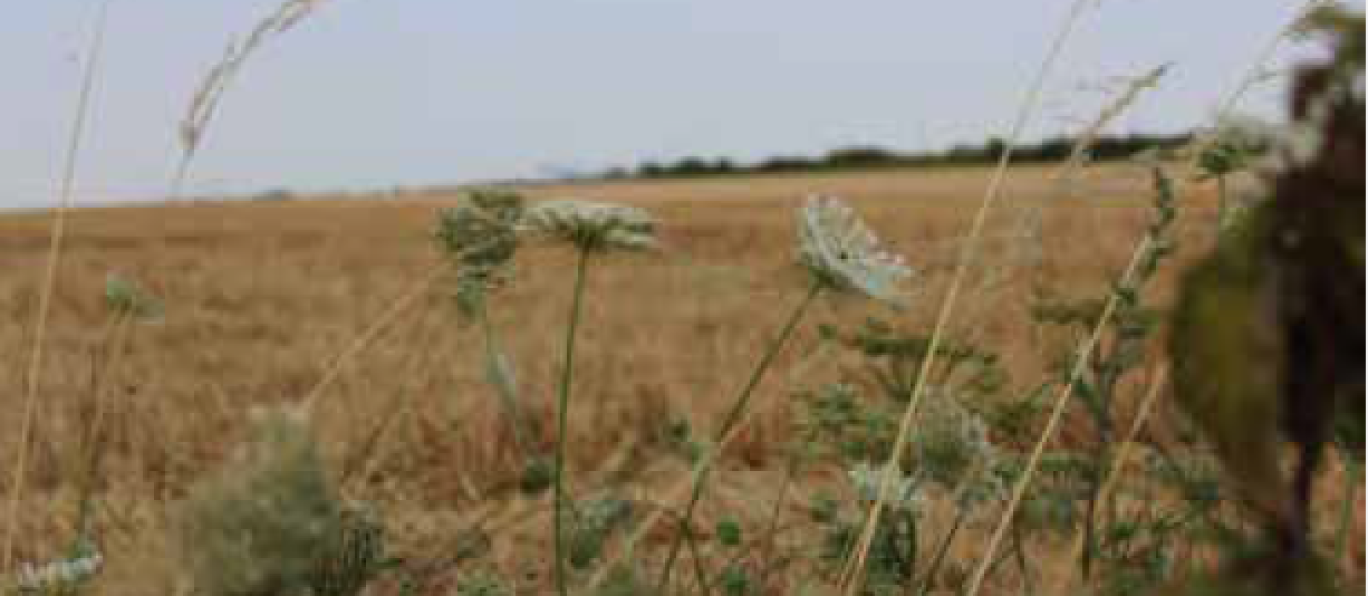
[[480, 236], [592, 228], [842, 255]]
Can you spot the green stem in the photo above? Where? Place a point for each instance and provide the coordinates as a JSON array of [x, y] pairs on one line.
[[772, 527], [732, 418], [567, 377], [497, 377]]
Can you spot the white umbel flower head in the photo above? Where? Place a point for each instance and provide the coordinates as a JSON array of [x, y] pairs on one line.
[[843, 253], [59, 576], [866, 479], [592, 226]]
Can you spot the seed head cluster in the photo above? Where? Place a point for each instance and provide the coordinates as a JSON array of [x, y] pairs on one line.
[[480, 235]]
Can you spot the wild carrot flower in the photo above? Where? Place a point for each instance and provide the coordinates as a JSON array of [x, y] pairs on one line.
[[592, 226], [480, 235], [60, 577], [843, 253], [904, 493]]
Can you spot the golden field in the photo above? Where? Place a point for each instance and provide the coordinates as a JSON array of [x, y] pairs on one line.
[[264, 299]]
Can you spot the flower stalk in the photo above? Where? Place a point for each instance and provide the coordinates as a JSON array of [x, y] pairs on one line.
[[562, 411], [732, 418]]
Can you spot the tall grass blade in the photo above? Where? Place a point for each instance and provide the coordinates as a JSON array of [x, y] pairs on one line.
[[92, 69]]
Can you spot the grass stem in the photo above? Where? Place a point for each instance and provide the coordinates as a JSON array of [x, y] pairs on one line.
[[92, 69], [852, 577]]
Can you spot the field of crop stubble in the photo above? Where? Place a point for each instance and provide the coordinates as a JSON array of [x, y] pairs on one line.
[[262, 299]]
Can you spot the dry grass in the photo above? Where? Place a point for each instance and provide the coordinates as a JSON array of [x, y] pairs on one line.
[[262, 297]]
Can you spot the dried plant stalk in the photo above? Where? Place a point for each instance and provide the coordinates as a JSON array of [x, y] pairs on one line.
[[209, 94]]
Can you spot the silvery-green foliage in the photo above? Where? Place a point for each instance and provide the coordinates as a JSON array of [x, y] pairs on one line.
[[128, 299], [65, 576], [259, 525], [843, 253], [480, 234], [592, 226]]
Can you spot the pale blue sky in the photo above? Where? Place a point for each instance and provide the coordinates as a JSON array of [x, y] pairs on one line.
[[373, 93]]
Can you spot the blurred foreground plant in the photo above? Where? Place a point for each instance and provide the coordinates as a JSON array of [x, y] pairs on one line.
[[271, 524], [1268, 333]]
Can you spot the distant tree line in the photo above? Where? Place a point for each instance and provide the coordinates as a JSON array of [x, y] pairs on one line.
[[1050, 149]]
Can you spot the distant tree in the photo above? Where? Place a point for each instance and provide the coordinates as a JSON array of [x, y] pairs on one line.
[[995, 148], [860, 157], [1055, 148]]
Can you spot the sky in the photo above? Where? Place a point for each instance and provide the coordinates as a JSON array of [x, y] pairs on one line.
[[372, 94]]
